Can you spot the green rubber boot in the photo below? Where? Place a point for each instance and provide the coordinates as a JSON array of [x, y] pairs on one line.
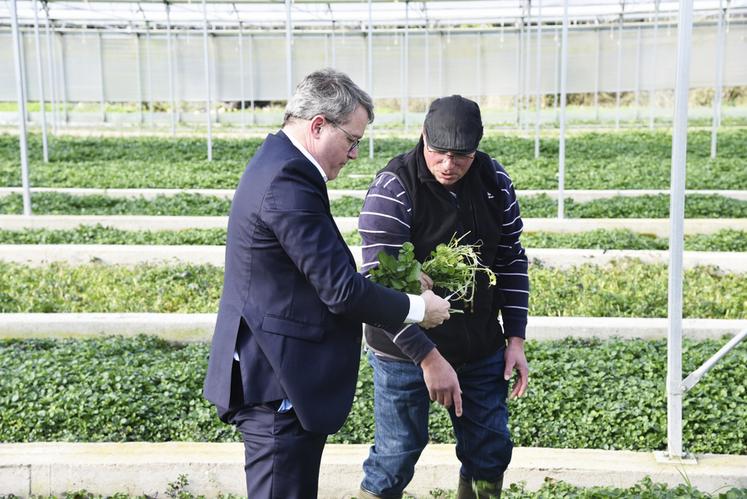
[[479, 489]]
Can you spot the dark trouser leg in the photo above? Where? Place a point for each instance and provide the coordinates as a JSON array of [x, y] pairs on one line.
[[401, 405], [484, 445], [281, 458]]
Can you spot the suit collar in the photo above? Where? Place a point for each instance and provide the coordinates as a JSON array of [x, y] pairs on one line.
[[306, 153]]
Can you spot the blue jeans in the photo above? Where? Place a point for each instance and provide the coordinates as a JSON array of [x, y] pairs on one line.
[[401, 406]]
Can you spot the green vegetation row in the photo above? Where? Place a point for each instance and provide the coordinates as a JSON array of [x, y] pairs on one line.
[[540, 206], [628, 288], [583, 394], [649, 206], [724, 240], [614, 160], [645, 489]]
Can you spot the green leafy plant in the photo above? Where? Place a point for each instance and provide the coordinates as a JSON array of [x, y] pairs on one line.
[[454, 267], [401, 273]]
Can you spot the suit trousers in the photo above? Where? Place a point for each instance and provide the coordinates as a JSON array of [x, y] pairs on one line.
[[281, 458]]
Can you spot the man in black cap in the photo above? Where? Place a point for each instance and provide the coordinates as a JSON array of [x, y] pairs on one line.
[[441, 188]]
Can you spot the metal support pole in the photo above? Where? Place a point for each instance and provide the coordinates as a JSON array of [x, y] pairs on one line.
[[520, 66], [370, 76], [208, 76], [638, 75], [241, 73], [289, 48], [441, 63], [21, 98], [251, 79], [102, 88], [333, 46], [40, 78], [150, 75], [676, 218], [517, 95], [24, 71], [597, 72], [406, 73], [50, 69], [619, 72], [556, 100], [652, 91], [538, 84], [139, 74], [427, 66], [528, 63], [478, 67], [170, 57], [563, 83], [63, 79], [720, 39]]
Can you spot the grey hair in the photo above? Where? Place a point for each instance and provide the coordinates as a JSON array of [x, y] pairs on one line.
[[329, 93]]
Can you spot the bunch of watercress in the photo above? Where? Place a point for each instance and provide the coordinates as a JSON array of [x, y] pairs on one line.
[[451, 266], [454, 267]]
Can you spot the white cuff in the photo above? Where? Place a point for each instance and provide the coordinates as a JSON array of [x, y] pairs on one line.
[[417, 310]]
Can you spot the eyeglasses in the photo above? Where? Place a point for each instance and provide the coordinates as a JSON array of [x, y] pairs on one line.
[[454, 156], [354, 142]]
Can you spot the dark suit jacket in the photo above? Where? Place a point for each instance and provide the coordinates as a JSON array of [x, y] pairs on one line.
[[292, 279]]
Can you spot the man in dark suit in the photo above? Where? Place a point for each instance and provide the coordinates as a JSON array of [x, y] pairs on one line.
[[286, 348]]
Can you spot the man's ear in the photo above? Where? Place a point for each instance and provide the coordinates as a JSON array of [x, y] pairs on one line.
[[316, 124]]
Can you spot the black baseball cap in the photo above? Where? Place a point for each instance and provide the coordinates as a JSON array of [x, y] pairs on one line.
[[453, 124]]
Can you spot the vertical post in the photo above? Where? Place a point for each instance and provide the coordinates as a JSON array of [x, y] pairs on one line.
[[638, 75], [102, 88], [289, 48], [406, 72], [520, 68], [676, 218], [619, 70], [652, 91], [370, 76], [50, 69], [208, 75], [528, 63], [558, 45], [427, 66], [150, 74], [40, 77], [598, 72], [563, 82], [333, 45], [170, 57], [478, 67], [720, 39], [538, 84], [63, 79], [241, 73], [139, 74], [441, 63], [517, 95], [251, 79], [21, 98]]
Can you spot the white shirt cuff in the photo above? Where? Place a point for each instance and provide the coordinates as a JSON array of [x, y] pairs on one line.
[[417, 310]]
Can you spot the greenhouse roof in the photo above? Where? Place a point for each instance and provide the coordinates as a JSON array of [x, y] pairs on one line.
[[308, 14]]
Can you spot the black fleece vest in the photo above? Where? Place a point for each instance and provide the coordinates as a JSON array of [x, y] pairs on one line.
[[437, 215]]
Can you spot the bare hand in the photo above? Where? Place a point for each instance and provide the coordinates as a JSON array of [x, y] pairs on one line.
[[436, 310], [441, 381], [425, 282], [515, 359]]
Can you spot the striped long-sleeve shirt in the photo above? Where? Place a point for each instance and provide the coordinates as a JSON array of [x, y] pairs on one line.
[[385, 223]]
